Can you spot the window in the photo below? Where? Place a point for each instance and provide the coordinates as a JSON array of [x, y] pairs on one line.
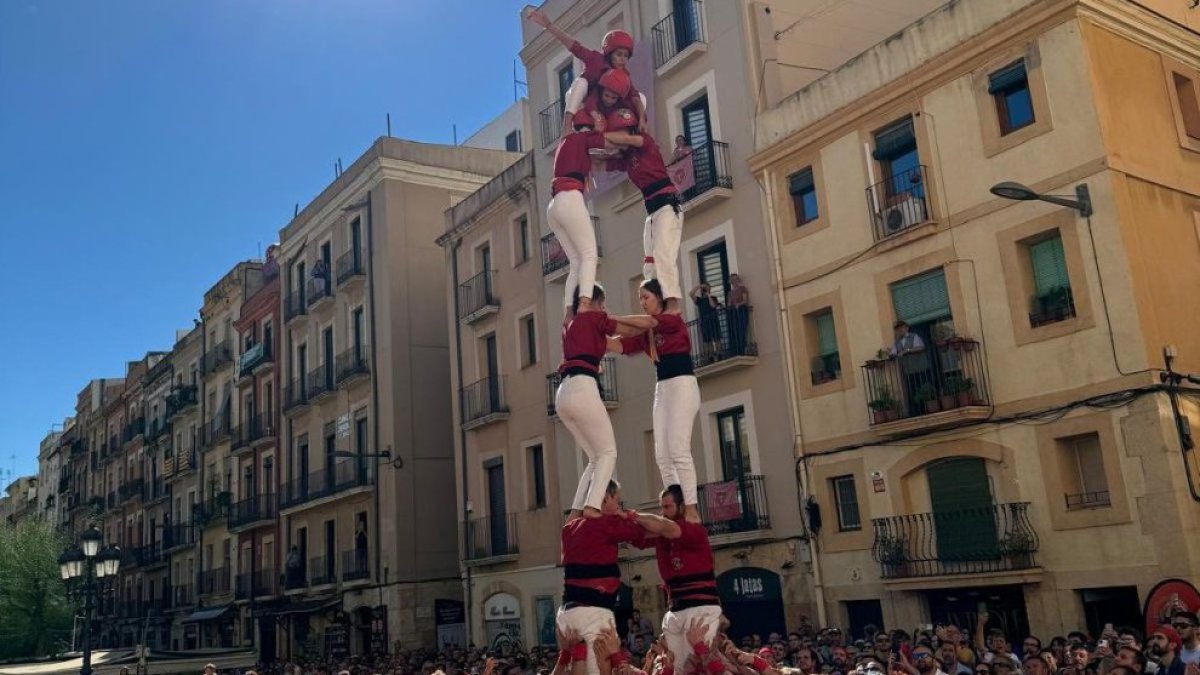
[[735, 446], [804, 196], [713, 265], [827, 365], [537, 469], [899, 199], [1052, 299], [512, 142], [845, 497], [522, 237], [566, 75], [921, 300], [1009, 88], [1189, 104], [1083, 472], [529, 354]]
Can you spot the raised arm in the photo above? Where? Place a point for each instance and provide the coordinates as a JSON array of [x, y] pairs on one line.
[[538, 17], [659, 526]]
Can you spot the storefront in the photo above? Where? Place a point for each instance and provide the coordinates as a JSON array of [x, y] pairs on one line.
[[502, 621], [752, 599]]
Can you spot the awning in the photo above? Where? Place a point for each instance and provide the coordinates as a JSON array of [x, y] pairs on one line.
[[159, 663], [69, 665], [301, 607], [206, 615]]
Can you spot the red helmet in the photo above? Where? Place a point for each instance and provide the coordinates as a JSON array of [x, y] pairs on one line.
[[614, 40], [617, 81], [620, 119]]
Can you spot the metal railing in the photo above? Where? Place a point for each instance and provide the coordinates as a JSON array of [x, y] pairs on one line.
[[352, 362], [322, 570], [678, 31], [214, 509], [215, 580], [553, 256], [253, 357], [176, 536], [1056, 305], [711, 169], [264, 582], [242, 584], [483, 398], [155, 429], [1085, 500], [607, 381], [253, 510], [220, 355], [349, 265], [346, 474], [550, 122], [738, 505], [218, 429], [491, 536], [320, 380], [294, 305], [355, 565], [947, 375], [133, 489], [181, 398], [295, 394], [898, 203], [995, 538], [725, 334], [184, 595], [134, 429], [475, 294], [319, 288]]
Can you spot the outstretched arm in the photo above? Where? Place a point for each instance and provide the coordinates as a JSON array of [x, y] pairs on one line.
[[659, 526], [639, 321], [540, 18]]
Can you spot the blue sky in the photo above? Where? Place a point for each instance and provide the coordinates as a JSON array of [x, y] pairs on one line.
[[147, 146]]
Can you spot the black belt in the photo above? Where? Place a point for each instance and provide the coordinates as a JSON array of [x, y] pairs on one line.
[[586, 358], [580, 370], [655, 187], [576, 175], [584, 571], [673, 365], [578, 596], [692, 579], [665, 199]]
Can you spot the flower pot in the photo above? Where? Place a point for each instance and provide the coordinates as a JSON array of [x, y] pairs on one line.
[[948, 401], [965, 398], [891, 415], [932, 406], [879, 416]]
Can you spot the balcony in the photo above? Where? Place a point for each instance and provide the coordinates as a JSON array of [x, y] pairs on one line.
[[213, 510], [734, 506], [261, 429], [252, 358], [241, 585], [214, 581], [989, 540], [554, 259], [295, 396], [350, 269], [320, 293], [607, 380], [264, 583], [156, 429], [294, 305], [64, 484], [321, 382], [491, 539], [255, 511], [156, 491], [1088, 500], [178, 537], [346, 475], [932, 388], [181, 398], [355, 565], [219, 356], [321, 571], [550, 122], [679, 36], [180, 464], [352, 366], [475, 299], [184, 595], [218, 429], [133, 430], [483, 402], [723, 341], [709, 180], [113, 502], [149, 555], [131, 490], [79, 448], [899, 203]]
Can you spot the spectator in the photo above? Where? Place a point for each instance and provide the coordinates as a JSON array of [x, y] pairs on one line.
[[210, 669], [640, 625], [1034, 664], [883, 647], [682, 149], [1132, 658], [639, 647], [1184, 623], [710, 329], [739, 315], [806, 660], [1030, 645], [909, 350], [1164, 645]]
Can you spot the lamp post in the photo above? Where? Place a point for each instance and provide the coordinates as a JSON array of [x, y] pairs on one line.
[[1021, 193], [87, 571]]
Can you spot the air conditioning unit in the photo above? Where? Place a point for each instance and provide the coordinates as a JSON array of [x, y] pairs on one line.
[[902, 215]]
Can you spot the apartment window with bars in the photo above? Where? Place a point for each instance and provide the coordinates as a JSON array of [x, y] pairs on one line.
[[845, 496], [1083, 472], [804, 196]]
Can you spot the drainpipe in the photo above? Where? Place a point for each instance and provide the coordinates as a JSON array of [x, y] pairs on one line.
[[368, 258], [462, 434], [202, 390], [803, 479]]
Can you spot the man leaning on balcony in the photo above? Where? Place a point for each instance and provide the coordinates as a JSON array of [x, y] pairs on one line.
[[909, 351]]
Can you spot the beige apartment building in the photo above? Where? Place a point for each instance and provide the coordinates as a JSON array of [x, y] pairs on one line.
[[181, 474], [1021, 456], [698, 64], [365, 501]]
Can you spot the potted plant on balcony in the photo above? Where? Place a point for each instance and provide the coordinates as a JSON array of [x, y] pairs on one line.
[[881, 358], [883, 406], [1017, 549], [945, 337], [963, 389], [891, 553], [928, 395], [820, 375], [1055, 305]]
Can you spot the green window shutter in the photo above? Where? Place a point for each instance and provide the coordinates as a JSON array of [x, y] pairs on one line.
[[826, 335], [1049, 266], [921, 298]]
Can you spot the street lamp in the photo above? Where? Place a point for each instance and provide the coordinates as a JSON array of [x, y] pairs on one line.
[[1021, 193], [87, 570]]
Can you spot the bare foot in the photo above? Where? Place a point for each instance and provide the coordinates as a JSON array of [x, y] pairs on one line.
[[591, 512], [691, 513]]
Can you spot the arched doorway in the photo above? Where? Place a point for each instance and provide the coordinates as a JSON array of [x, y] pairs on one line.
[[502, 621], [752, 598]]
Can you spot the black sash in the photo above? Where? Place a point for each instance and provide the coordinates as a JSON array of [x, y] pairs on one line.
[[589, 597]]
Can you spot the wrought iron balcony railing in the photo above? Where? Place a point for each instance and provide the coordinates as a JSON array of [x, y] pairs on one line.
[[725, 334], [491, 536], [738, 505], [898, 203], [944, 376], [996, 538], [678, 31], [607, 381]]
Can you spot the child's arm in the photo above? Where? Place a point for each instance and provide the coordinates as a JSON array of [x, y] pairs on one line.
[[639, 321], [538, 17], [572, 102], [624, 138]]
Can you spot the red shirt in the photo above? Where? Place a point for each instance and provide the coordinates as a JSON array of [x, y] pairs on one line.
[[670, 337], [646, 169], [585, 340], [589, 544], [594, 65], [685, 564], [572, 163]]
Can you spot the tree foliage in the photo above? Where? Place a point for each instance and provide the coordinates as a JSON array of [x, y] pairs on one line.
[[35, 613]]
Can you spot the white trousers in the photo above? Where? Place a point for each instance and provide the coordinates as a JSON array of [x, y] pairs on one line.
[[660, 240], [676, 402], [572, 226], [675, 625], [588, 622], [582, 412]]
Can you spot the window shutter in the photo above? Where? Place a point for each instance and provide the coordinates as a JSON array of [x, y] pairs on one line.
[[799, 183], [1010, 77], [1091, 465], [922, 298], [1049, 266], [895, 141], [826, 335]]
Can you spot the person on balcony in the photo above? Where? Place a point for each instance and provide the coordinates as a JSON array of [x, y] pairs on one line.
[[909, 352], [739, 315], [676, 392], [710, 322]]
